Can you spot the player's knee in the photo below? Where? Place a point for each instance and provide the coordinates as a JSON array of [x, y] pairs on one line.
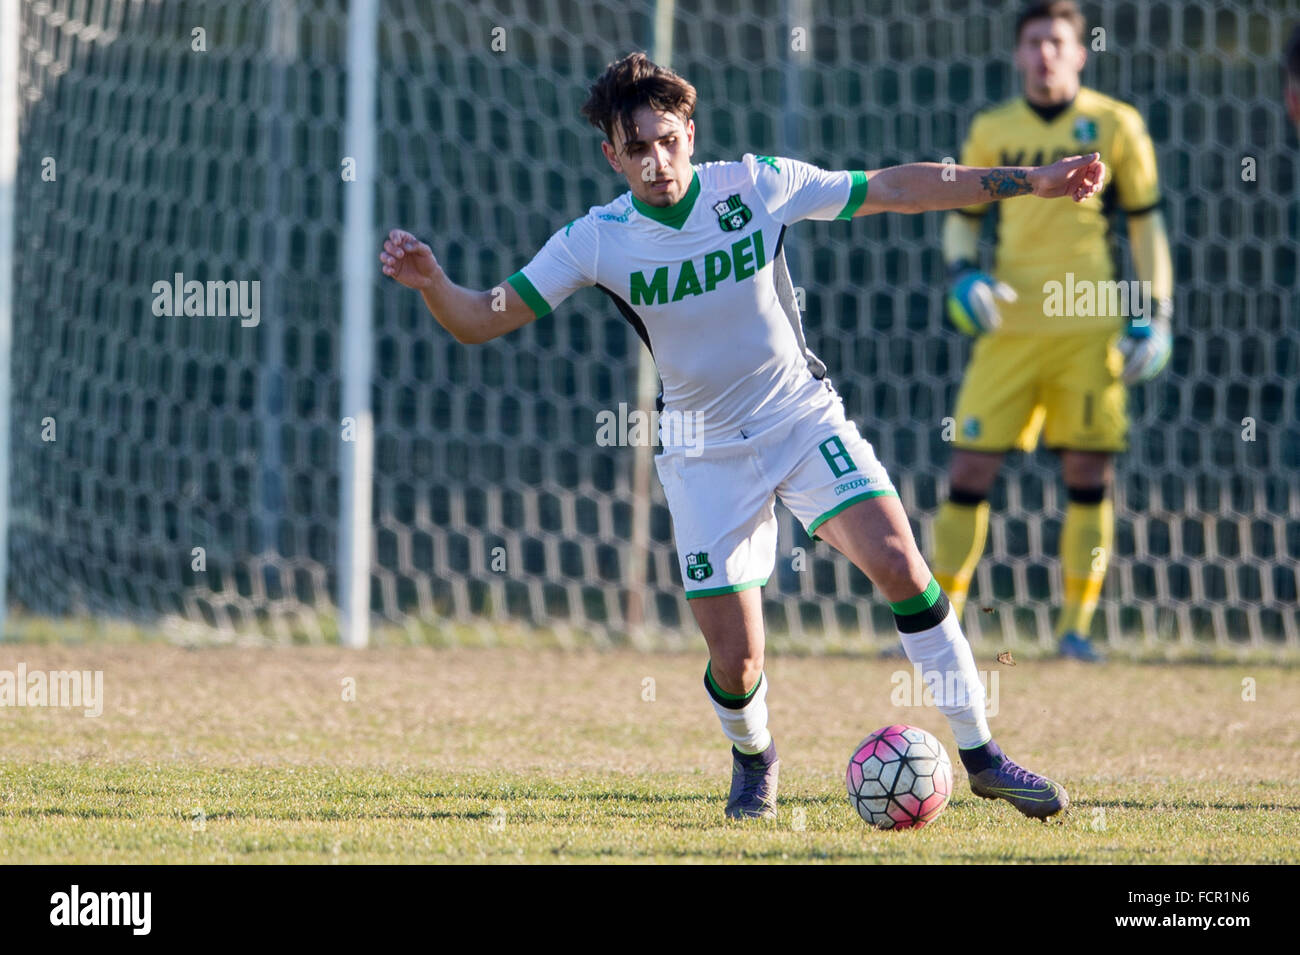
[[972, 473], [1087, 471], [897, 566], [737, 672]]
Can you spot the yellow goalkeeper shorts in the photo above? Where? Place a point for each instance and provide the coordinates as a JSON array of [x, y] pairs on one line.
[[1065, 387]]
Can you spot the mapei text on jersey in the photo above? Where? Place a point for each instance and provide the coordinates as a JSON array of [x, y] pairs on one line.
[[740, 261]]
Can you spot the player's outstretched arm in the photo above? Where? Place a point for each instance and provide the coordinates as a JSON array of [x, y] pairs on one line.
[[471, 317], [929, 186]]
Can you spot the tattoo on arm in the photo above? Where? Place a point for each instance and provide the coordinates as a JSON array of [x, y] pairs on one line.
[[1005, 183]]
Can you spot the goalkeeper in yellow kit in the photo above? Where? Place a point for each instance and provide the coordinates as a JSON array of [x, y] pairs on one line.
[[1059, 339]]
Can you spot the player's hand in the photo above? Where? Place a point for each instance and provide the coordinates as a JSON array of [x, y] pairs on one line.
[[408, 260], [973, 301], [1146, 346], [1079, 177]]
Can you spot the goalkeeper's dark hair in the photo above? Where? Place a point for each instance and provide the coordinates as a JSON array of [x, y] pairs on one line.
[[626, 86], [1066, 10], [1293, 56]]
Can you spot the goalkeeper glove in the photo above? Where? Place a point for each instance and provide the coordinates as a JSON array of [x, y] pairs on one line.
[[973, 298], [1146, 345]]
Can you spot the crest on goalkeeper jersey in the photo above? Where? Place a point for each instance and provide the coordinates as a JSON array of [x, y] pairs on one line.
[[732, 213], [698, 566], [1085, 130]]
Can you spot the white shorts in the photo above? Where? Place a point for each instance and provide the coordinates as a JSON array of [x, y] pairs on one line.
[[723, 500]]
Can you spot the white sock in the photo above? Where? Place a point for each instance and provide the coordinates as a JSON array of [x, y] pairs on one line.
[[745, 726], [948, 667]]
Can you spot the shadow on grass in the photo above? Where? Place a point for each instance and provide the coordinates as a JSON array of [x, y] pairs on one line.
[[1181, 805], [575, 796], [69, 812], [521, 807]]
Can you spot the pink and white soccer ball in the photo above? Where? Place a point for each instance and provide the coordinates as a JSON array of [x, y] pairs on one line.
[[899, 777]]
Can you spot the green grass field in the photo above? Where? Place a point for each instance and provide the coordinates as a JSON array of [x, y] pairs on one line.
[[238, 755]]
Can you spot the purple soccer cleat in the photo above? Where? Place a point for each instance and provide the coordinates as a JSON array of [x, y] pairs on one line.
[[1036, 796], [753, 784]]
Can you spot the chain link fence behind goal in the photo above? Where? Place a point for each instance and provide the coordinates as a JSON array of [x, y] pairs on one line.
[[496, 511]]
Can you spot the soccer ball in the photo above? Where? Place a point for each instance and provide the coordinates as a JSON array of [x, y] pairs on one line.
[[899, 777]]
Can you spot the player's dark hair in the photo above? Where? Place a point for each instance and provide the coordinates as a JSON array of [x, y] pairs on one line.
[[1052, 10], [1293, 56], [626, 86]]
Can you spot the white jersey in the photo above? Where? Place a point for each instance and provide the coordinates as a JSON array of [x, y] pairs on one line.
[[705, 285]]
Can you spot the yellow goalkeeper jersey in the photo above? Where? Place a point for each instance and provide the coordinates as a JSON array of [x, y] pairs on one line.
[[1046, 248]]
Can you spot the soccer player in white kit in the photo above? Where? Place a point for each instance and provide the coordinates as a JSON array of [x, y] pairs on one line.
[[692, 257]]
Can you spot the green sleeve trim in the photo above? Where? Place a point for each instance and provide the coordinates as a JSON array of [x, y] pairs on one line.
[[921, 602], [812, 528], [528, 292], [719, 591], [857, 194]]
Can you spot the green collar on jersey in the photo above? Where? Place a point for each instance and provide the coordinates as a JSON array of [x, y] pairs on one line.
[[673, 216]]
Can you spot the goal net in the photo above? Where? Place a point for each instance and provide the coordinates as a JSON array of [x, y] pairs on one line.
[[180, 470]]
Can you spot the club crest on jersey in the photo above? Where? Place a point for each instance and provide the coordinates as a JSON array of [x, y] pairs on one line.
[[732, 213], [698, 566], [1085, 130], [970, 428]]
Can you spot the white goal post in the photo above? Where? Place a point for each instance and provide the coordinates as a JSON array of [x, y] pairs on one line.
[[9, 93], [359, 272]]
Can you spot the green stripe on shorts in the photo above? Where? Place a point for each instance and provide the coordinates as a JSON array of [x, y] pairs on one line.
[[884, 492], [719, 591]]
